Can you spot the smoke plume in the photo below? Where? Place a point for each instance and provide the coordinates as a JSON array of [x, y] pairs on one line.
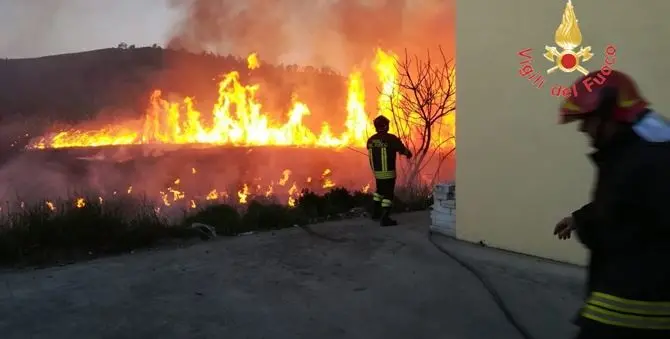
[[31, 23], [334, 33]]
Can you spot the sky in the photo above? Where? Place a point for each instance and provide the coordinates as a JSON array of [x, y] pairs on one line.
[[32, 28], [335, 33]]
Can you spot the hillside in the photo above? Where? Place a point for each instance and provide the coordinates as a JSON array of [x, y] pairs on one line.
[[76, 87]]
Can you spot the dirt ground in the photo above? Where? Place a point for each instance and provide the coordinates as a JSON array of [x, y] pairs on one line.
[[389, 283]]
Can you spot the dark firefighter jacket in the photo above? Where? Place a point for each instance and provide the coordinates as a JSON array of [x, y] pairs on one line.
[[382, 150], [627, 229]]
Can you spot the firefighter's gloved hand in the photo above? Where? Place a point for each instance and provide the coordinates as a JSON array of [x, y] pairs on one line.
[[564, 228]]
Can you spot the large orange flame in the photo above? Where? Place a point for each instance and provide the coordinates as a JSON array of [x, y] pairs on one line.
[[238, 118]]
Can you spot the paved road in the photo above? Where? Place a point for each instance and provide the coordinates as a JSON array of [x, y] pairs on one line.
[[381, 283]]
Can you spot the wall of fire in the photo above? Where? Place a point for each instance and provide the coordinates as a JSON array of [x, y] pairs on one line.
[[518, 171]]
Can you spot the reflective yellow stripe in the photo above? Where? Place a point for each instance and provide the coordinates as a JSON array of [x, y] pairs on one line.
[[376, 197], [627, 103], [385, 160], [387, 203], [384, 174], [372, 166], [629, 306], [608, 317]]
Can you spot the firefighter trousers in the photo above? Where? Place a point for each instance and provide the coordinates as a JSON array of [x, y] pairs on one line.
[[591, 330], [385, 192]]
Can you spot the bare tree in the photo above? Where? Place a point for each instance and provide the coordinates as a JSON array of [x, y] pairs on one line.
[[424, 94]]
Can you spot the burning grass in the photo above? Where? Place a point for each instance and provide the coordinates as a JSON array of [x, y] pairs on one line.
[[53, 232], [238, 118], [232, 167]]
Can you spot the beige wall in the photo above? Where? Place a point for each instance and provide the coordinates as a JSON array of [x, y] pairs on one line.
[[518, 172]]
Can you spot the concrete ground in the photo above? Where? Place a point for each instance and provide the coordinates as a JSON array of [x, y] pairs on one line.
[[386, 283]]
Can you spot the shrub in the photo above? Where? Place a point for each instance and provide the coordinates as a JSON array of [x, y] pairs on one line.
[[225, 219], [311, 204], [47, 233], [271, 217], [412, 199], [338, 200], [333, 203]]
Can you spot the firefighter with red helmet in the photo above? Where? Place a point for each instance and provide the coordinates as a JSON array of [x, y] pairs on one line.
[[626, 226], [382, 150]]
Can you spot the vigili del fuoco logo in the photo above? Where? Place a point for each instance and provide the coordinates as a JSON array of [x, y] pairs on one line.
[[568, 57]]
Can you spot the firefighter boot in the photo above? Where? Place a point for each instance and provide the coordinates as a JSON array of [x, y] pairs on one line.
[[376, 206], [376, 210], [386, 220]]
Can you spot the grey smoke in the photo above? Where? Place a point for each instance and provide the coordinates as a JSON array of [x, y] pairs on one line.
[[335, 33]]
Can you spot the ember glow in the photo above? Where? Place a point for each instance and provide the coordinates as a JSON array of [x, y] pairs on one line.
[[286, 187], [238, 118]]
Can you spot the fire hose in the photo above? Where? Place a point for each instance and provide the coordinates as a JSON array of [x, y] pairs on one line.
[[311, 232], [497, 299], [488, 286]]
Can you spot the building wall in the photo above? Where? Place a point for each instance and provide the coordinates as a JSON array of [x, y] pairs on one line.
[[518, 171]]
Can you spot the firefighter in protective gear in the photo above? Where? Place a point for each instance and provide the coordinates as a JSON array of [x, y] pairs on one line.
[[382, 150], [626, 226]]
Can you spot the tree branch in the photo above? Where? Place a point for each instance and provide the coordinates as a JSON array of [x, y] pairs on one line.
[[424, 94]]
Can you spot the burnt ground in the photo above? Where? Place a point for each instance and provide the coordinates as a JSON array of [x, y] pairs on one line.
[[380, 283], [55, 173]]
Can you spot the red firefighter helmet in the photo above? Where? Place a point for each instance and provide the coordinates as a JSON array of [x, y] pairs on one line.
[[596, 90]]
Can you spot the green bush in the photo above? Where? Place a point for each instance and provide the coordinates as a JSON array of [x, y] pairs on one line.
[[47, 233], [271, 217], [39, 234], [333, 203], [225, 219], [412, 199], [338, 200]]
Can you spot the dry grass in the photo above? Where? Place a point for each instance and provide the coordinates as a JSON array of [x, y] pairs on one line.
[[53, 233]]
